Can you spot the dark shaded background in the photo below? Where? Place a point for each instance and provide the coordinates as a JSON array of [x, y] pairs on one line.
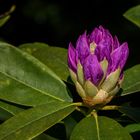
[[58, 22]]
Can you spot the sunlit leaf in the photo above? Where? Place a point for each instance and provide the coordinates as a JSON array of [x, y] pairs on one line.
[[54, 57], [25, 80]]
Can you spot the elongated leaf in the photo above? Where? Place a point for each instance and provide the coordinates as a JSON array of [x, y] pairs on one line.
[[53, 57], [4, 115], [131, 83], [3, 20], [13, 91], [133, 14], [44, 137], [132, 128], [104, 129], [133, 113], [13, 110], [27, 81], [5, 17], [8, 110], [30, 123]]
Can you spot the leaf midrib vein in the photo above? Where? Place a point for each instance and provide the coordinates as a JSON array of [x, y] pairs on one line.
[[31, 86], [35, 120]]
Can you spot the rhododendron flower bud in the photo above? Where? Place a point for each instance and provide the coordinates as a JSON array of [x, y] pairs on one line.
[[96, 66]]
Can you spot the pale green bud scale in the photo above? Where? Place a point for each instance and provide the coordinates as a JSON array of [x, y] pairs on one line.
[[80, 90], [90, 89], [80, 73], [73, 76], [111, 80]]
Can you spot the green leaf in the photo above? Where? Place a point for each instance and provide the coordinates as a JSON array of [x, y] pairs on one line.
[[13, 91], [44, 137], [103, 129], [132, 128], [69, 123], [10, 108], [131, 83], [3, 20], [32, 122], [133, 113], [7, 110], [133, 14], [5, 17], [25, 80], [4, 115], [54, 57]]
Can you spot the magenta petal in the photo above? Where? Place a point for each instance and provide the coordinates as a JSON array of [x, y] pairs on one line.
[[104, 41], [102, 51], [82, 47], [125, 53], [72, 58], [119, 57], [116, 43], [96, 36], [106, 37], [92, 69]]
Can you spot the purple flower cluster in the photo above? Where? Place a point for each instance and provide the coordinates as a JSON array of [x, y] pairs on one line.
[[95, 59]]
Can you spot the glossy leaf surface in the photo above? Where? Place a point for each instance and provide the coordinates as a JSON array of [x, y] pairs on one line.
[[53, 57], [32, 122], [131, 83], [27, 81]]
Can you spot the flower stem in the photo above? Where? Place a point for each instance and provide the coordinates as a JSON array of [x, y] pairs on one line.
[[110, 107], [79, 104], [94, 113], [81, 110], [78, 108]]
